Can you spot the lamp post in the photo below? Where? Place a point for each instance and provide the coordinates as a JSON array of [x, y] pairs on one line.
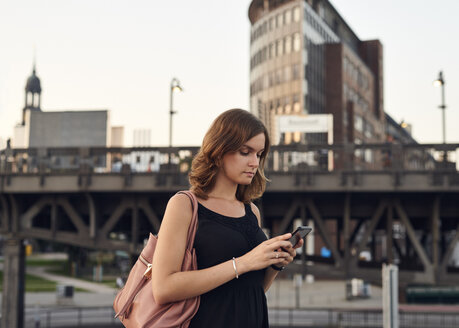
[[440, 82], [175, 86]]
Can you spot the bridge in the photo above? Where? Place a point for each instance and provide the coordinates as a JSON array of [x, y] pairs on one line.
[[368, 203]]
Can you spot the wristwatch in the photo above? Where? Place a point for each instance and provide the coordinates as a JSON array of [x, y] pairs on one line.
[[275, 267]]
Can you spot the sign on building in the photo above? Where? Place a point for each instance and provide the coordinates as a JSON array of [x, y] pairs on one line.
[[314, 123]]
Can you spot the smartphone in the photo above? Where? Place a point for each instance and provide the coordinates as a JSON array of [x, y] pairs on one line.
[[299, 233]]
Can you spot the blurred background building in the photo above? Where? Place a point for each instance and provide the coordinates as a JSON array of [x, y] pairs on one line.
[[2, 143], [117, 136], [69, 128], [305, 59], [141, 138]]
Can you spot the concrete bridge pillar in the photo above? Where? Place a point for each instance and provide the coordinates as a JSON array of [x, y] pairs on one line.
[[13, 283]]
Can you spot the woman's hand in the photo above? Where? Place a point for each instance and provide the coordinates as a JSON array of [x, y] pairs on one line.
[[275, 251], [292, 253]]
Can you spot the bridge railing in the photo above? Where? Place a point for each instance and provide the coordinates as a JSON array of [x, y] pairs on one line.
[[283, 158], [278, 317]]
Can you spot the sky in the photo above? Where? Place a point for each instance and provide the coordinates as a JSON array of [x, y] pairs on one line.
[[122, 55]]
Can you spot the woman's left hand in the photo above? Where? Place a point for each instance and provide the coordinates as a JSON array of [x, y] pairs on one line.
[[292, 251]]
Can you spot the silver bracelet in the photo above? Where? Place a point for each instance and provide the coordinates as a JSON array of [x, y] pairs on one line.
[[234, 266]]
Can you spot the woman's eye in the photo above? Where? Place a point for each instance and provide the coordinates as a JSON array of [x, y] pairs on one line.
[[243, 153]]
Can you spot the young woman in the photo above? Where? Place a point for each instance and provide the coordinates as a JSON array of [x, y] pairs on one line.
[[237, 265]]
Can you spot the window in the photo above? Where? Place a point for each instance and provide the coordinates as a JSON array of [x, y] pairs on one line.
[[277, 77], [358, 123], [358, 152], [279, 20], [288, 108], [296, 42], [287, 17], [279, 107], [296, 107], [369, 158], [271, 51], [368, 130], [281, 75], [287, 73], [280, 47], [296, 136], [296, 14], [295, 71], [288, 44]]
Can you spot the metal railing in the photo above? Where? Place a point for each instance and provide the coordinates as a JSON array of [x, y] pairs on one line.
[[285, 158], [70, 317], [278, 317], [311, 317]]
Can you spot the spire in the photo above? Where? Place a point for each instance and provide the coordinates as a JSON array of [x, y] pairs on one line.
[[34, 59], [32, 93], [33, 84]]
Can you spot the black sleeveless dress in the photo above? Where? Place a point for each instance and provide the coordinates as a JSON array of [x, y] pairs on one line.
[[240, 302]]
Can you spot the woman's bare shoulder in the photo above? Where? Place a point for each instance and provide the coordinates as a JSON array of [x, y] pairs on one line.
[[179, 207], [180, 199]]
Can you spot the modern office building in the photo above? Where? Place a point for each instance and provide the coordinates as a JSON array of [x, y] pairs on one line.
[[304, 60]]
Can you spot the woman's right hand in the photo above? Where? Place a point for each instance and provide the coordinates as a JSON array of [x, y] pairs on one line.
[[265, 254]]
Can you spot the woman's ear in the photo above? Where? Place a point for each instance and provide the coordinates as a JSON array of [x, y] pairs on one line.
[[218, 162]]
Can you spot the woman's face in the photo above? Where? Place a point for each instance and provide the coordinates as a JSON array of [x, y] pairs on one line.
[[241, 166]]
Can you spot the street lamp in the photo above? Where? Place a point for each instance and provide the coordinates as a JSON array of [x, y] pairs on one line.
[[175, 86], [440, 82]]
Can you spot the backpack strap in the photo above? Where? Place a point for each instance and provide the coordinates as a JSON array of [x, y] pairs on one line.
[[194, 219]]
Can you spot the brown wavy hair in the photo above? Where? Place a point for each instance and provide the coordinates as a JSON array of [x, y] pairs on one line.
[[228, 133]]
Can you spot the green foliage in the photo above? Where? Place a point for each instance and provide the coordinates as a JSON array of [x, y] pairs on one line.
[[37, 284], [34, 284]]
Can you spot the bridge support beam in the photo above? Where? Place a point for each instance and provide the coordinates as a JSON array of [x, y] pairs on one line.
[[436, 237], [346, 233], [13, 284]]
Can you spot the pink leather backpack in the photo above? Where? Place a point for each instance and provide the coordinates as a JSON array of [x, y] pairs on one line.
[[135, 305]]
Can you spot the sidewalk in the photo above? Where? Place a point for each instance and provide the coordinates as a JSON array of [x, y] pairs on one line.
[[320, 294]]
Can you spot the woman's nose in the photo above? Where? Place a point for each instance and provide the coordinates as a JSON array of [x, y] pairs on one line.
[[254, 160]]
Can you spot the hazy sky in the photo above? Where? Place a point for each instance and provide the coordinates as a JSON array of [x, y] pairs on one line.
[[122, 55]]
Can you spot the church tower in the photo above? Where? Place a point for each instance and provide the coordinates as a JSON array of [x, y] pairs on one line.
[[32, 94]]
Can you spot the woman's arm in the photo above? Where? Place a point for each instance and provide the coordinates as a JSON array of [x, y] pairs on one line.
[[270, 273], [169, 284]]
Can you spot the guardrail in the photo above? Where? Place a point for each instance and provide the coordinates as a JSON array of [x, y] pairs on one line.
[[70, 317], [290, 317], [278, 317], [284, 158]]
